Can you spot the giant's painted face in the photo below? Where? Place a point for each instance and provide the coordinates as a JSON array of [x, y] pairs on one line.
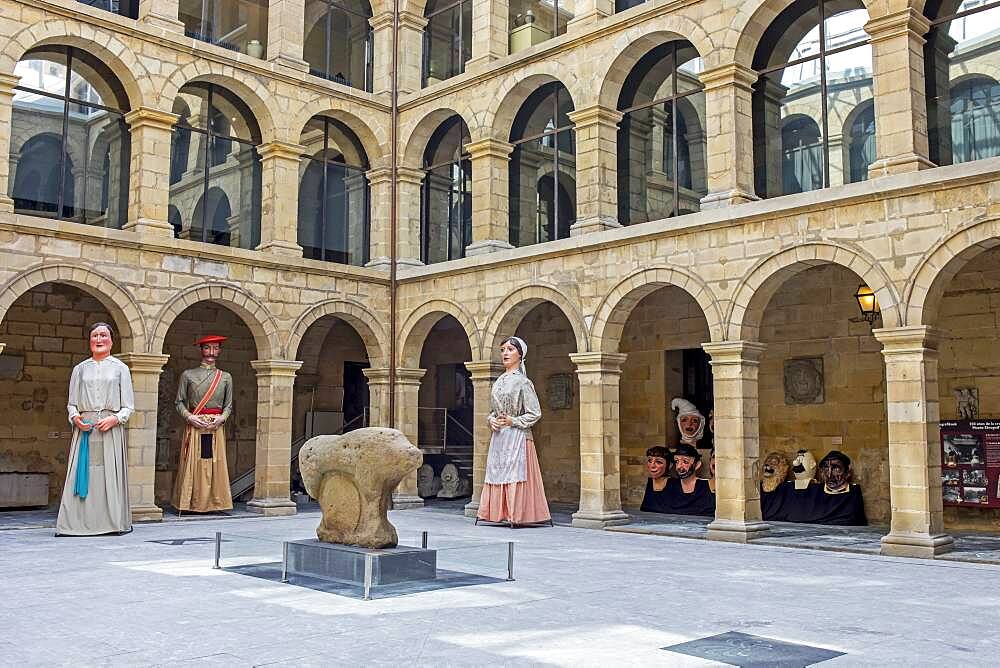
[[689, 424], [100, 342], [774, 471], [804, 465], [656, 467], [210, 352], [835, 475], [686, 466]]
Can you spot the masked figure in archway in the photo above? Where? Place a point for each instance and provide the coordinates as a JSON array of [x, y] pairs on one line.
[[513, 490], [95, 496], [205, 401]]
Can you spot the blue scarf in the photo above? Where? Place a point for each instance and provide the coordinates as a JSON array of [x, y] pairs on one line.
[[82, 485]]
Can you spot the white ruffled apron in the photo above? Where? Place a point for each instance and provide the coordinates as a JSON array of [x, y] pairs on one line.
[[507, 460]]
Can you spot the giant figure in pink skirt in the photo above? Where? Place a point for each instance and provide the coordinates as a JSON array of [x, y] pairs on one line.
[[512, 490]]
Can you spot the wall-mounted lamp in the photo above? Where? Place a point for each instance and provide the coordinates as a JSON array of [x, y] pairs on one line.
[[867, 303]]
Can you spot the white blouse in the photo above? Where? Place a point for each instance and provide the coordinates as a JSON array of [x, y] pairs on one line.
[[101, 385]]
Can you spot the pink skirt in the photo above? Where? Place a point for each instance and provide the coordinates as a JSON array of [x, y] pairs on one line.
[[517, 502]]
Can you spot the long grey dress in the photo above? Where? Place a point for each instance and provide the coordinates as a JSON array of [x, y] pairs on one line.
[[97, 390]]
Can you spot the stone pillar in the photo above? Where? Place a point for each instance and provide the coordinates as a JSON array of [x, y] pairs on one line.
[[490, 184], [140, 434], [729, 127], [490, 33], [596, 169], [149, 172], [735, 365], [161, 14], [286, 33], [600, 451], [588, 13], [911, 374], [7, 83], [380, 182], [407, 391], [484, 373], [279, 197], [272, 483], [378, 396], [408, 241], [900, 104], [411, 50]]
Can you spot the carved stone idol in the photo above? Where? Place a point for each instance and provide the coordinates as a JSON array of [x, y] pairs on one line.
[[428, 484], [352, 476], [453, 485]]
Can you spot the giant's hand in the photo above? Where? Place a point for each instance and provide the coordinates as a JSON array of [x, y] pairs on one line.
[[107, 423], [81, 425]]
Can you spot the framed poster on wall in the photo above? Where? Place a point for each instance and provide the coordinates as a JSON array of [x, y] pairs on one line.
[[970, 463]]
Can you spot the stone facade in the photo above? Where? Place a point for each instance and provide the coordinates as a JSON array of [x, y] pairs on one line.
[[752, 282]]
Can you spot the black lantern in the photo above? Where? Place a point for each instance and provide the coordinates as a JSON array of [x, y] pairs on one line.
[[867, 303]]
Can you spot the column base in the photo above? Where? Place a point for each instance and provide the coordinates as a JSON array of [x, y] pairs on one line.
[[290, 62], [149, 513], [598, 519], [598, 224], [737, 531], [920, 545], [472, 508], [281, 248], [406, 502], [272, 507], [149, 227], [898, 164], [726, 198], [486, 246]]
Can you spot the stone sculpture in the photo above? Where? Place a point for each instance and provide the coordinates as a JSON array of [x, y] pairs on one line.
[[428, 484], [453, 485], [353, 476]]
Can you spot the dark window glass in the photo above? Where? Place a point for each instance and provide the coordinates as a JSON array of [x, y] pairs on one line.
[[237, 25], [338, 41], [447, 39], [69, 151], [446, 197], [129, 8]]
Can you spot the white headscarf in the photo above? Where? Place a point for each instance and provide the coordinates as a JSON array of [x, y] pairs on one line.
[[524, 353], [685, 407]]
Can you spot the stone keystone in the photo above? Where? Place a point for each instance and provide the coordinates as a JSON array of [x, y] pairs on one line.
[[353, 476]]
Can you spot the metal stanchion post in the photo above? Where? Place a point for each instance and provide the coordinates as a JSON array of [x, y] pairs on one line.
[[284, 562], [510, 561], [368, 577], [218, 548], [423, 539]]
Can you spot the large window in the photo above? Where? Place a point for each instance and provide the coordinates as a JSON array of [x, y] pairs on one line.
[[339, 41], [815, 66], [961, 63], [214, 168], [445, 197], [69, 145], [447, 39], [543, 168], [129, 8], [661, 139], [237, 25], [333, 194], [534, 21]]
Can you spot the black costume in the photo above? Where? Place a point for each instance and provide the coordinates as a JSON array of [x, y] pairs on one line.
[[673, 500], [814, 505]]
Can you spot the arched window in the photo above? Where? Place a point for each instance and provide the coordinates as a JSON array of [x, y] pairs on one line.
[[961, 61], [446, 197], [237, 25], [333, 194], [447, 39], [815, 66], [339, 41], [69, 147], [662, 135], [129, 8], [215, 169], [544, 146], [534, 21]]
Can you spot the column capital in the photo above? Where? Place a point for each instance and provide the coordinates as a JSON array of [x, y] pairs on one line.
[[144, 117], [142, 362], [411, 175], [480, 369], [595, 115], [405, 376], [378, 175], [912, 339], [377, 375], [8, 82], [281, 149], [276, 368], [897, 24], [407, 20], [604, 363], [731, 74], [734, 352], [489, 148]]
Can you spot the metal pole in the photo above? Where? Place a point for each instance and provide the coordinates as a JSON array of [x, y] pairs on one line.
[[284, 562], [218, 548], [510, 561], [423, 539], [368, 577], [393, 172]]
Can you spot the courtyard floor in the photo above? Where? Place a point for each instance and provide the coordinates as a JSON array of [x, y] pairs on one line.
[[580, 597]]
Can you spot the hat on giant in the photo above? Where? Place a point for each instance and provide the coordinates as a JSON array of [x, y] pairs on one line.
[[686, 450], [836, 455], [210, 338], [685, 407]]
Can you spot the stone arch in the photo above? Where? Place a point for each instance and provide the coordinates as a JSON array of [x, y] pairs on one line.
[[254, 315], [421, 321], [754, 292], [422, 130], [924, 290], [113, 296], [250, 90], [614, 310], [515, 305], [640, 41], [512, 92], [362, 320], [372, 134], [120, 58]]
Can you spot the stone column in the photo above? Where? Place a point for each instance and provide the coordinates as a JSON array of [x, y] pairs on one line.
[[900, 104], [411, 50], [484, 373], [407, 391], [588, 13], [140, 434], [272, 484], [7, 83], [149, 171], [279, 197], [729, 127], [380, 182], [735, 365], [286, 33], [378, 396], [408, 241], [161, 14], [600, 451], [911, 374], [490, 33], [490, 184], [596, 169]]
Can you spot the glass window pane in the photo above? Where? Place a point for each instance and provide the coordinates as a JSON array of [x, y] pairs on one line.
[[691, 150], [97, 148], [441, 198], [844, 27], [310, 225], [689, 66], [338, 41], [129, 8], [43, 72], [850, 94], [534, 21], [38, 164], [229, 209], [237, 25], [191, 105], [443, 46]]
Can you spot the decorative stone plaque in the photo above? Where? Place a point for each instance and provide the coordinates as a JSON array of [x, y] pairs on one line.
[[559, 391], [804, 381]]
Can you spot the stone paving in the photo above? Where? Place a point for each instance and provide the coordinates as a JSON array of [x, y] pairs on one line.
[[581, 597]]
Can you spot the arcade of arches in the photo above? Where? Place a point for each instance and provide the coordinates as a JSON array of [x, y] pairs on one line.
[[662, 200]]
